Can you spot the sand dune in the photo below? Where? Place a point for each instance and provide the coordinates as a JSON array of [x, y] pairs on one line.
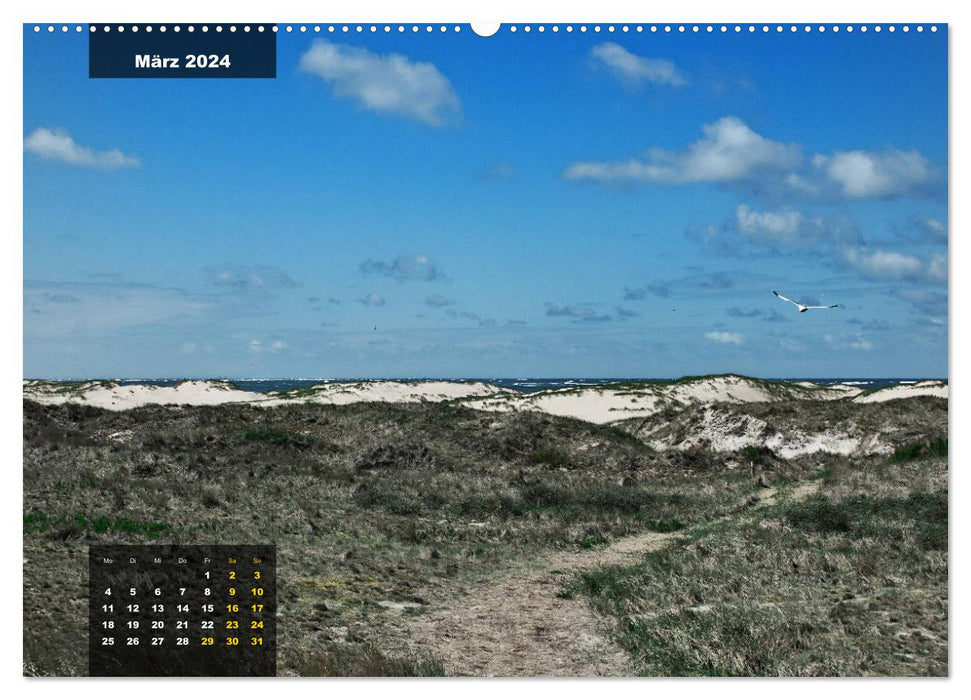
[[640, 399], [388, 391], [602, 404], [116, 397], [212, 392], [719, 429], [903, 391]]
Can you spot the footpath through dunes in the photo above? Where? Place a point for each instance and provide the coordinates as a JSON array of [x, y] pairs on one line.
[[521, 624]]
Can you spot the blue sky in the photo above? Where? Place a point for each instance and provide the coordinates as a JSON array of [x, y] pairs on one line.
[[410, 205]]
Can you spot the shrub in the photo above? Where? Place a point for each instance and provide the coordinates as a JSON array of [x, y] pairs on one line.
[[65, 527], [876, 517], [938, 448], [273, 436], [822, 515], [403, 456], [916, 450], [907, 452]]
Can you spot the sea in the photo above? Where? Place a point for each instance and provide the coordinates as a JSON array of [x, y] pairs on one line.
[[524, 385]]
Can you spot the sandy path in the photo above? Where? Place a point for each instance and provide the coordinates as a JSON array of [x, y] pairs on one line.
[[516, 625]]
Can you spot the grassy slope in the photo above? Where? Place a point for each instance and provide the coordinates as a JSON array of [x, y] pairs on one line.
[[378, 502], [850, 582], [895, 422], [367, 503]]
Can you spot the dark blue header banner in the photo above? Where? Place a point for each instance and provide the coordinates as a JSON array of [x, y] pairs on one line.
[[182, 51]]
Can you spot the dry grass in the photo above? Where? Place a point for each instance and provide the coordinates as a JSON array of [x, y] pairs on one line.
[[370, 503], [851, 582]]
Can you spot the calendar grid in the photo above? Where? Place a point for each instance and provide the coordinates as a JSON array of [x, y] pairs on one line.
[[182, 610]]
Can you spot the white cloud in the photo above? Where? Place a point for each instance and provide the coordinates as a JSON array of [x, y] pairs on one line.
[[57, 144], [729, 151], [373, 299], [732, 155], [791, 345], [851, 341], [249, 278], [89, 310], [862, 174], [930, 302], [578, 313], [385, 83], [774, 228], [404, 267], [800, 185], [634, 69], [256, 346], [937, 227], [725, 337], [890, 265], [937, 267], [783, 226], [438, 301]]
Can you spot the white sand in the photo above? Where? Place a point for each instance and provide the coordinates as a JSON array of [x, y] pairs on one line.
[[210, 393], [604, 405], [593, 404], [119, 398], [391, 392], [722, 431], [903, 391]]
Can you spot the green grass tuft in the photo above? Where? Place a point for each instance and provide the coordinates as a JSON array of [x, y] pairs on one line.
[[920, 449], [273, 436]]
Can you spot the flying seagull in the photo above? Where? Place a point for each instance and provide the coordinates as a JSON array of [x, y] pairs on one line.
[[802, 307]]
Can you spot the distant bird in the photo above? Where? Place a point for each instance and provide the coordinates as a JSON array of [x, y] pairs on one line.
[[802, 307]]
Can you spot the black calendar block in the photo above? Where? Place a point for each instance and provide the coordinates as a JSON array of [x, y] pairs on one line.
[[182, 610]]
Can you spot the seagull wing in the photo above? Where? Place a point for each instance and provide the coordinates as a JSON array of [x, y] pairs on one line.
[[787, 299], [831, 306]]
